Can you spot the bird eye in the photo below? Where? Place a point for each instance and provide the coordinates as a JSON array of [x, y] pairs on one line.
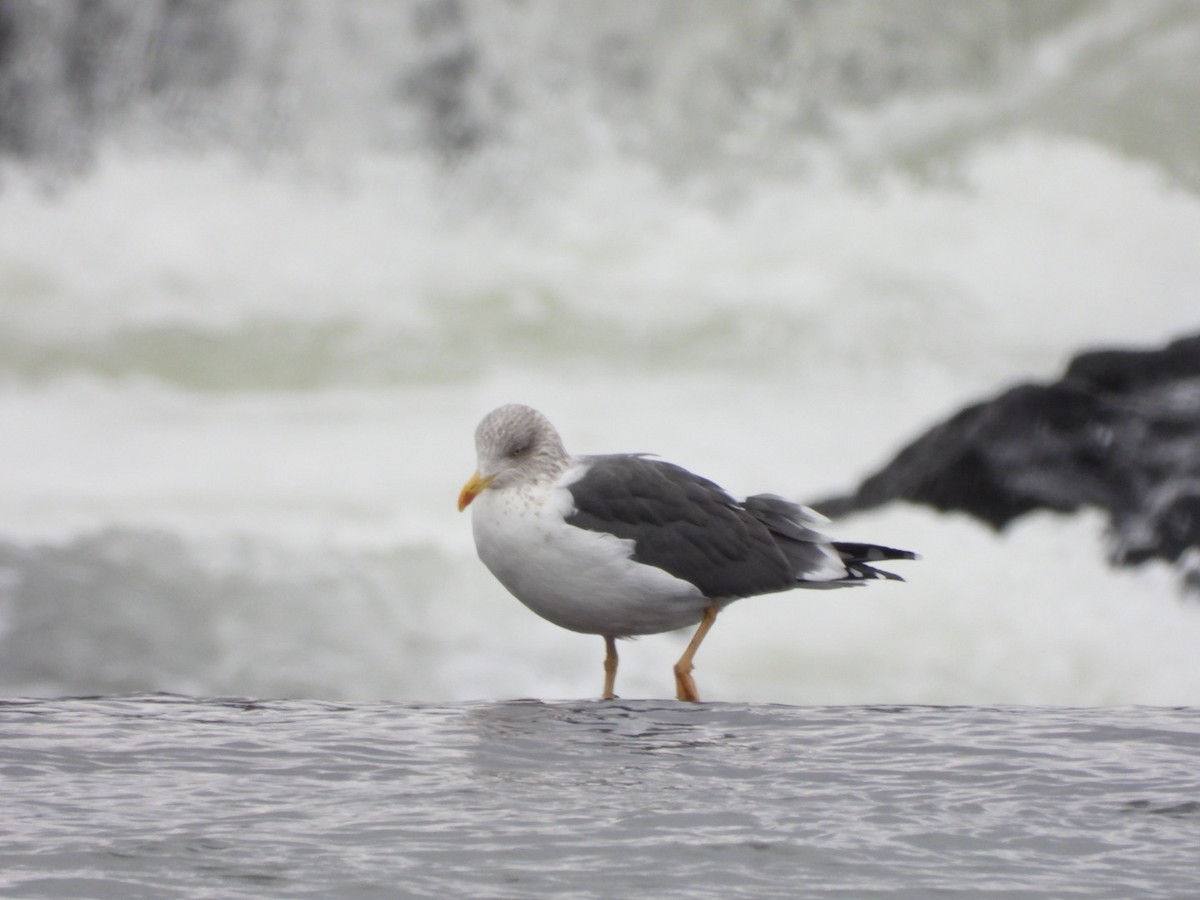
[[518, 451]]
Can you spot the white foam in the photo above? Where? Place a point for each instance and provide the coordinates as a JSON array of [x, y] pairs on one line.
[[826, 323]]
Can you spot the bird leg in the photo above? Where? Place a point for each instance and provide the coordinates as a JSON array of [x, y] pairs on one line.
[[610, 667], [685, 686]]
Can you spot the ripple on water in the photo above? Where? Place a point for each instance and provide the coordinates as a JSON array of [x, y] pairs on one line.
[[171, 795]]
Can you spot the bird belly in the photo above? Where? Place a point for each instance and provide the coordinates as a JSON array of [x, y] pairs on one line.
[[581, 580]]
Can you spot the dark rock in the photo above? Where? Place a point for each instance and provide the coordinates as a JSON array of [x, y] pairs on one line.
[[1121, 371], [1119, 432]]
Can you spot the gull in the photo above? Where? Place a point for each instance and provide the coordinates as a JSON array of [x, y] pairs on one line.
[[620, 545]]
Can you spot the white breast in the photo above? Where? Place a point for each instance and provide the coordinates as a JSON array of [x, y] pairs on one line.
[[578, 579]]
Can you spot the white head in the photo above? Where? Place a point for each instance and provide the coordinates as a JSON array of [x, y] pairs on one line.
[[514, 444]]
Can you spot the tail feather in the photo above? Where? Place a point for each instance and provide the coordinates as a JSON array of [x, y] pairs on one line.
[[812, 557], [817, 561]]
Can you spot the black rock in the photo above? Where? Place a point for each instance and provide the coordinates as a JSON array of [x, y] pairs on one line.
[[1120, 431]]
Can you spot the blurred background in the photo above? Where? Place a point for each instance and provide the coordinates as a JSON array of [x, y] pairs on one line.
[[264, 265]]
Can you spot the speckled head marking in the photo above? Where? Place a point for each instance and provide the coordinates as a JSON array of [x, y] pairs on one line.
[[516, 444]]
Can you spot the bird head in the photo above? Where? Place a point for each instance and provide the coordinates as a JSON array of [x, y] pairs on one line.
[[514, 444]]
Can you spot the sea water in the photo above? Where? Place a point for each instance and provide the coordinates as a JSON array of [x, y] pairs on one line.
[[261, 279], [162, 796]]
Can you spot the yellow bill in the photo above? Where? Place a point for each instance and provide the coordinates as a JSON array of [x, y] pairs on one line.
[[474, 486]]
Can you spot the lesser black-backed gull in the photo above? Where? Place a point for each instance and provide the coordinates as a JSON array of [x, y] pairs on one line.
[[622, 545]]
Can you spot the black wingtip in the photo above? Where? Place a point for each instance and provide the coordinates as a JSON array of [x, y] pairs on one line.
[[870, 553], [863, 572]]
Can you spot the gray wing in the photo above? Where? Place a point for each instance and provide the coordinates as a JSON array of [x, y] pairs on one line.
[[815, 560], [681, 523]]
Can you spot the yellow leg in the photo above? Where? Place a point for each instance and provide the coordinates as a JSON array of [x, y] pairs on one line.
[[610, 667], [685, 686]]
